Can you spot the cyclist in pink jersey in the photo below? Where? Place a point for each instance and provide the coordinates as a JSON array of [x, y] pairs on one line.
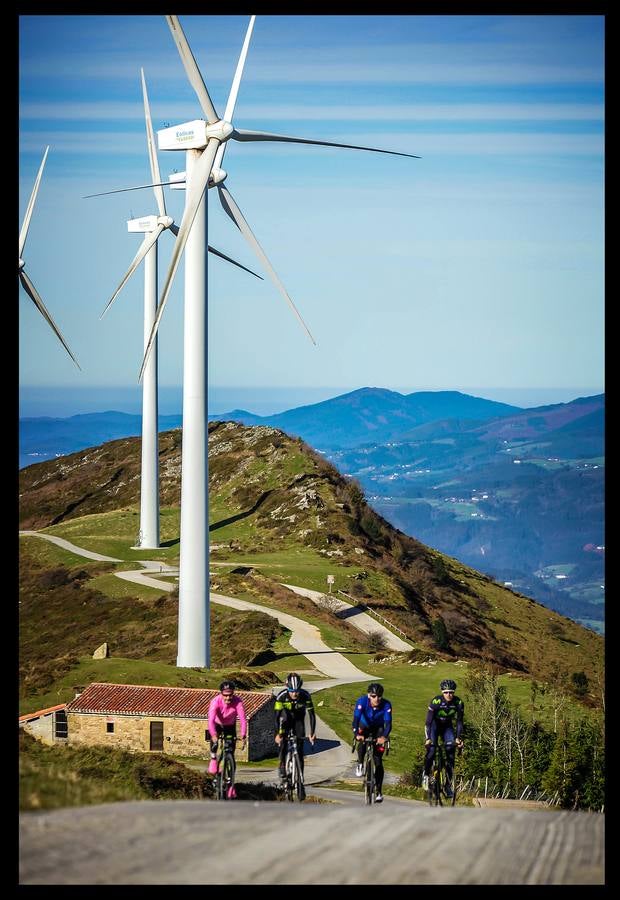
[[224, 710]]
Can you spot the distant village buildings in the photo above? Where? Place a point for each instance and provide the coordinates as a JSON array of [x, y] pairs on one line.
[[169, 720]]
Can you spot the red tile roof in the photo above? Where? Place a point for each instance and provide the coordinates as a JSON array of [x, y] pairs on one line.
[[42, 712], [135, 699]]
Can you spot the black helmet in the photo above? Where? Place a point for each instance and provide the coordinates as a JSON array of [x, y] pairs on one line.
[[375, 688], [228, 686], [294, 681], [448, 685]]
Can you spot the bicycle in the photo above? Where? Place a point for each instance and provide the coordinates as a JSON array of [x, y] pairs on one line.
[[438, 782], [294, 780], [368, 763], [226, 768]]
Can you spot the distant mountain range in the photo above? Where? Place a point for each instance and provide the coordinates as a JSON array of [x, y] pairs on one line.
[[368, 414], [516, 493], [373, 415]]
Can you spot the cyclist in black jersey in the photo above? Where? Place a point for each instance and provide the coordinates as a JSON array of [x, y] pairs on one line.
[[291, 706], [444, 718]]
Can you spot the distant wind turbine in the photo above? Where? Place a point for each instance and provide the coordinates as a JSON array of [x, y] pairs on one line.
[[23, 277], [152, 227], [204, 143]]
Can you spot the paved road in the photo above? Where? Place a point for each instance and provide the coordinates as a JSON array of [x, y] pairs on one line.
[[354, 615], [67, 545], [190, 842]]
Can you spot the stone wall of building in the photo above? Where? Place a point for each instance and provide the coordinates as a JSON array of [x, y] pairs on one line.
[[182, 736]]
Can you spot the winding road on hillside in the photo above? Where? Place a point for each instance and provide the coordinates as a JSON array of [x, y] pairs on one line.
[[334, 842]]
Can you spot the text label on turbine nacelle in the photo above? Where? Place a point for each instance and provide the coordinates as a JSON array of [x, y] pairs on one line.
[[143, 225], [188, 136]]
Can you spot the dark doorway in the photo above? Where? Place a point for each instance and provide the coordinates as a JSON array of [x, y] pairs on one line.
[[157, 736]]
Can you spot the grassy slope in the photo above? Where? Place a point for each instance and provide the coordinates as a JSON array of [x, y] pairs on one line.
[[276, 505]]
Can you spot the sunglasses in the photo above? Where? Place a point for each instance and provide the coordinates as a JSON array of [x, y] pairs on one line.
[[373, 695], [447, 692], [227, 696]]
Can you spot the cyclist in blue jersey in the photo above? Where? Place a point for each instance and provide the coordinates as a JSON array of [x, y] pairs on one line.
[[372, 715], [444, 718]]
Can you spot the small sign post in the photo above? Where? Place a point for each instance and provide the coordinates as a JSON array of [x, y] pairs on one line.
[[330, 581]]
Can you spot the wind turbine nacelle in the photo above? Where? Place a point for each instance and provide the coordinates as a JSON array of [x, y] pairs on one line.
[[142, 225], [188, 136], [177, 181]]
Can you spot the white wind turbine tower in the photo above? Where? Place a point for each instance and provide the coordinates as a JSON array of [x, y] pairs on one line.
[[204, 143], [152, 227], [23, 277]]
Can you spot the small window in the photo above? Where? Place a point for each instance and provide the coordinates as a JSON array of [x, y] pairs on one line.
[[109, 727]]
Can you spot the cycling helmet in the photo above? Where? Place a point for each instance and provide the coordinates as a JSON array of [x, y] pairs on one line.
[[375, 688], [448, 685], [228, 686], [294, 681]]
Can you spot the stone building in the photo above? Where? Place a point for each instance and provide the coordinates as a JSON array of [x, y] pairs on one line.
[[163, 719]]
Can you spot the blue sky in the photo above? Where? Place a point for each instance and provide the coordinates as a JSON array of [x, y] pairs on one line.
[[478, 267]]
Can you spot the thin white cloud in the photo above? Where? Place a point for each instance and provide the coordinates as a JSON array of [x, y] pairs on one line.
[[410, 64], [419, 112], [424, 143]]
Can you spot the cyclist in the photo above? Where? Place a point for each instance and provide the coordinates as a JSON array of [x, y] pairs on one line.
[[444, 718], [372, 715], [224, 710], [291, 706]]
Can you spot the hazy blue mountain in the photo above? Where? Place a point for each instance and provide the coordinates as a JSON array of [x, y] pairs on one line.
[[520, 498], [42, 438], [374, 415], [368, 414]]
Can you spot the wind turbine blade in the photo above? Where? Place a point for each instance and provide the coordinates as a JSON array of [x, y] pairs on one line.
[[240, 134], [34, 295], [233, 261], [192, 70], [196, 189], [138, 187], [26, 223], [145, 246], [234, 90], [150, 141], [231, 208]]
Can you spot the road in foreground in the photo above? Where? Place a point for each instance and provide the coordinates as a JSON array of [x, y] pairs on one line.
[[190, 841]]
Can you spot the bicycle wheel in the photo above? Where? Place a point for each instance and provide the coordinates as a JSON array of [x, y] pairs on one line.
[[228, 775], [298, 780], [369, 777], [289, 785], [220, 790]]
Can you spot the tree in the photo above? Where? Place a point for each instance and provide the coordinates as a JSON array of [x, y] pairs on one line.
[[440, 634]]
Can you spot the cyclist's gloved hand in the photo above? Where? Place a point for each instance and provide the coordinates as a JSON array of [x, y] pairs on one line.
[[428, 742], [459, 743], [312, 739], [278, 739]]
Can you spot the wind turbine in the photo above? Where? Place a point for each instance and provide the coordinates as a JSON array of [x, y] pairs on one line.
[[205, 144], [23, 277], [152, 227]]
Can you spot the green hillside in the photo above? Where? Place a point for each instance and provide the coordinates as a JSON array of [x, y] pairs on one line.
[[279, 513]]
